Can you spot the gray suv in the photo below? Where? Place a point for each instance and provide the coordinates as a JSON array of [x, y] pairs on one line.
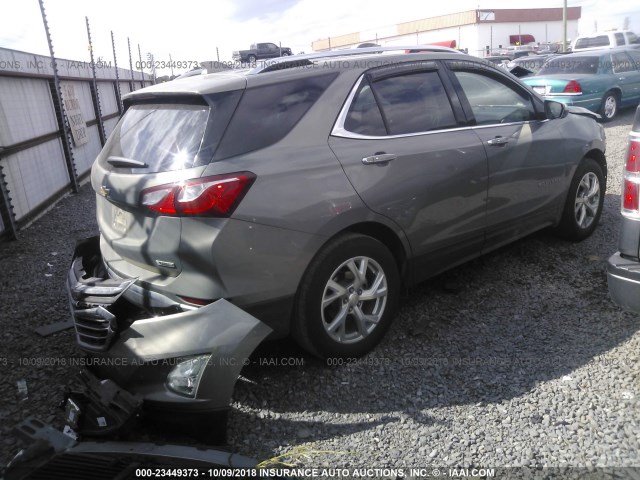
[[302, 197]]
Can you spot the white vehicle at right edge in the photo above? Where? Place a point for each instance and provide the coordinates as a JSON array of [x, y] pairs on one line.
[[623, 269], [599, 40]]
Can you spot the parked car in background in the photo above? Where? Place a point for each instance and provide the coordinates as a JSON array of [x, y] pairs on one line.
[[192, 73], [548, 48], [623, 269], [531, 64], [498, 60], [515, 51], [602, 81], [613, 39], [301, 200]]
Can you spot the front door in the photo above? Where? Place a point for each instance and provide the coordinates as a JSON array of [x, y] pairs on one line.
[[528, 168], [403, 149]]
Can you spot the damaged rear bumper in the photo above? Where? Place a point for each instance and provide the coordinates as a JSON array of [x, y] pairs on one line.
[[139, 352]]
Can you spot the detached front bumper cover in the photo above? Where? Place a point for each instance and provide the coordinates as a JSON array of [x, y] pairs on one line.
[[124, 347]]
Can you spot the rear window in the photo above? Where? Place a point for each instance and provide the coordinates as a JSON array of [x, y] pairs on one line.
[[177, 133], [590, 42], [570, 65], [164, 136]]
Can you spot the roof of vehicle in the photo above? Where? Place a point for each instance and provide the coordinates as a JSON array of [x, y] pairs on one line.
[[361, 58], [530, 58], [611, 32], [598, 52]]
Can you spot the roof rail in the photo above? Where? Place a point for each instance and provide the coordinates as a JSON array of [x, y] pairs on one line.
[[292, 61]]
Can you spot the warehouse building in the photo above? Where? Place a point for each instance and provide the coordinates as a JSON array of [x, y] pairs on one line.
[[476, 31]]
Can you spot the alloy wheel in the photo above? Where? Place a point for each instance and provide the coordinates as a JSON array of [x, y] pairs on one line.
[[587, 200], [354, 300]]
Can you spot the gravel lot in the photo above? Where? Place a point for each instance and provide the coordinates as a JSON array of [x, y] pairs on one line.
[[517, 358]]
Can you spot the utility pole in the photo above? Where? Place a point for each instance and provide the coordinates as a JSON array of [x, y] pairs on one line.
[[564, 26]]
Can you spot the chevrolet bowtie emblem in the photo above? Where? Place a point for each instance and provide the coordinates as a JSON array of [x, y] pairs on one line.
[[104, 191]]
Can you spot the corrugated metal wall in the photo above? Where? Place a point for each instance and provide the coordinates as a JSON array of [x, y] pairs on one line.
[[34, 171]]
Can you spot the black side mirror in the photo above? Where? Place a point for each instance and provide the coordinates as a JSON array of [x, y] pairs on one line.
[[554, 110]]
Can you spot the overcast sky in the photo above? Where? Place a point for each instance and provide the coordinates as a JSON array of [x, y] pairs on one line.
[[190, 30]]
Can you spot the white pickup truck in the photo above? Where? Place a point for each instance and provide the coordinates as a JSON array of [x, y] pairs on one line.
[[601, 40]]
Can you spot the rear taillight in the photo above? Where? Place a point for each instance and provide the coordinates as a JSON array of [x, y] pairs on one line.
[[631, 184], [630, 197], [572, 87], [216, 196], [196, 301], [632, 165]]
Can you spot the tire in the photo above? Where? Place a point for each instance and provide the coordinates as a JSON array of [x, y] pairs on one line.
[[333, 330], [285, 54], [609, 107], [583, 206], [251, 58]]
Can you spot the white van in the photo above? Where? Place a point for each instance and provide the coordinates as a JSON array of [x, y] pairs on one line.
[[600, 40]]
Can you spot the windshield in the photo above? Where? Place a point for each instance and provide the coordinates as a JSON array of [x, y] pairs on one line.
[[164, 136], [576, 65]]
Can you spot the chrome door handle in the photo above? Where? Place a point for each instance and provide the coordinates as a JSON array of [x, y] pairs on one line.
[[379, 158], [498, 141]]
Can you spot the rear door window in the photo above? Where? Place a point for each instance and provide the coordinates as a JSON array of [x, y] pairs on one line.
[[622, 63], [364, 116], [635, 58], [412, 101]]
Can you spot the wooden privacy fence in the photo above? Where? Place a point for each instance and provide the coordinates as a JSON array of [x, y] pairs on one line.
[[36, 167]]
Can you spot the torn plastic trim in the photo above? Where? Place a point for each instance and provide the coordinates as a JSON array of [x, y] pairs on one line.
[[85, 289], [100, 408], [90, 297]]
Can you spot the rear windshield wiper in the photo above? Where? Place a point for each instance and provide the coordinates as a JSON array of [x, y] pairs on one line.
[[124, 162]]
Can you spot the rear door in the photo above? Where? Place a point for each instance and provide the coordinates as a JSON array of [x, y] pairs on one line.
[[268, 50], [403, 145], [626, 68], [528, 168]]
